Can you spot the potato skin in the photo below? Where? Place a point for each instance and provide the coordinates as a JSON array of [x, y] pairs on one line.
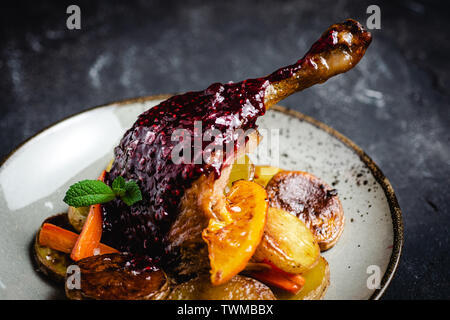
[[317, 281], [238, 288], [110, 277], [312, 201], [287, 243], [50, 262], [320, 271], [77, 217]]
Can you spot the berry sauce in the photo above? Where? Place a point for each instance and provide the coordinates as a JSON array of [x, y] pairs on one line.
[[145, 156]]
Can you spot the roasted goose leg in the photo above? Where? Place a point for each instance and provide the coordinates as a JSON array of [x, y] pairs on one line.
[[181, 198]]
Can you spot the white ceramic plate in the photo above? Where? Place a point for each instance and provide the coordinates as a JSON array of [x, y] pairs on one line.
[[34, 178]]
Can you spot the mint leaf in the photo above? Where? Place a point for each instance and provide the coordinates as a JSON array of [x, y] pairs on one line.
[[118, 186], [132, 193], [88, 192]]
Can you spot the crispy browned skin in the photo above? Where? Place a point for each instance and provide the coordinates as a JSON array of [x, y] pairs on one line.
[[108, 277], [205, 199], [312, 201], [322, 61]]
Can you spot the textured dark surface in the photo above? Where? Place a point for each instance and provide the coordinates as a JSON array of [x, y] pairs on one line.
[[395, 104]]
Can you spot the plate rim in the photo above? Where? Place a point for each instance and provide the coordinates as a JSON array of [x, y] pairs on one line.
[[394, 207]]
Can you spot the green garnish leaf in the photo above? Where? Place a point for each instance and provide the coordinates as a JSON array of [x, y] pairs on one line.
[[132, 194], [118, 186], [88, 192]]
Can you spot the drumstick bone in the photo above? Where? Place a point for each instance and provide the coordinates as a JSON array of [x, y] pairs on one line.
[[338, 50]]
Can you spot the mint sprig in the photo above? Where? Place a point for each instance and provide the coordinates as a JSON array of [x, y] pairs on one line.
[[89, 192], [132, 193]]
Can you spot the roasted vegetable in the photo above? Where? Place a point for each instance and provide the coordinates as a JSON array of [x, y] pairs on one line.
[[287, 243], [91, 233], [243, 169], [89, 239], [63, 240], [312, 201], [49, 261], [77, 217], [275, 277], [316, 283], [238, 288], [114, 277], [263, 174]]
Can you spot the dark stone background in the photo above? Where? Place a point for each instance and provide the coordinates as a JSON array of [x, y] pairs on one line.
[[395, 104]]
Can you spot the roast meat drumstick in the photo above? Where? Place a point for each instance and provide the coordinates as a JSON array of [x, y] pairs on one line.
[[180, 198]]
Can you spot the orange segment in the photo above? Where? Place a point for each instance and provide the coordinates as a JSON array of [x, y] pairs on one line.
[[232, 242]]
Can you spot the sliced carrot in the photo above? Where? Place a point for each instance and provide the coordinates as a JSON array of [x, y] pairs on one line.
[[276, 279], [91, 233], [57, 238], [102, 176], [64, 240], [297, 278]]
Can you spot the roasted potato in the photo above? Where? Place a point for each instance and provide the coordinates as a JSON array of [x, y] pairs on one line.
[[312, 201], [238, 288], [287, 243], [51, 262], [77, 217], [111, 277], [317, 281]]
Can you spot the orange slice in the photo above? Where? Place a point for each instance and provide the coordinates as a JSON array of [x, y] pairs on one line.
[[233, 239]]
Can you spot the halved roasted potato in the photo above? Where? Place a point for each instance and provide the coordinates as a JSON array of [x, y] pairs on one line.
[[317, 281], [312, 201], [116, 276], [287, 243], [238, 288], [232, 238], [51, 262]]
